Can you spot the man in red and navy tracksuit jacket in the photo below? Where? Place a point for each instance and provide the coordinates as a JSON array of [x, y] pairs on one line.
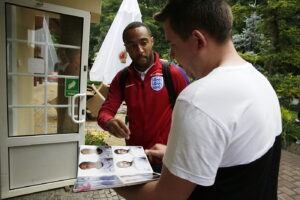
[[146, 96]]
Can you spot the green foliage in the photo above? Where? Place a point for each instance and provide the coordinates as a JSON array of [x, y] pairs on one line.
[[255, 59], [240, 13], [94, 42], [148, 9], [287, 87], [96, 83], [281, 27], [93, 137], [290, 129], [252, 58], [250, 40]]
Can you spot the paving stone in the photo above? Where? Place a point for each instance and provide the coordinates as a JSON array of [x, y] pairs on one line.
[[297, 190], [287, 191], [287, 184], [284, 197], [297, 197], [297, 183], [287, 178]]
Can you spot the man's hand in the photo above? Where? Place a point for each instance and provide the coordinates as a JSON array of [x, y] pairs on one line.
[[118, 128], [156, 152]]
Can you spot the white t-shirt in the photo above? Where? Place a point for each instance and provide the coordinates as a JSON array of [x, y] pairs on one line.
[[229, 117]]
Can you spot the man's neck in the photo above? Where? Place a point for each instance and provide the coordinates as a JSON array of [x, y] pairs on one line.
[[222, 55], [230, 56]]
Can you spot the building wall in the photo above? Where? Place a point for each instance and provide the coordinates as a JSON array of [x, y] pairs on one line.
[[92, 6]]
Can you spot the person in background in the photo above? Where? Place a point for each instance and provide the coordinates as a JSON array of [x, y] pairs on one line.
[[146, 96], [224, 142]]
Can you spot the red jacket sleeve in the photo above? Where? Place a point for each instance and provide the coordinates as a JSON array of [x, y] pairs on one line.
[[111, 104]]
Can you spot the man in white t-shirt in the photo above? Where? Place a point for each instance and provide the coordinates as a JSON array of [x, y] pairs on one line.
[[224, 142]]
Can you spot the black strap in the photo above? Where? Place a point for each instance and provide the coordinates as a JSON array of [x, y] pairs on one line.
[[169, 83], [122, 80]]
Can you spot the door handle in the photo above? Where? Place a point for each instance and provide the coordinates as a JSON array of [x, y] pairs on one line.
[[73, 108]]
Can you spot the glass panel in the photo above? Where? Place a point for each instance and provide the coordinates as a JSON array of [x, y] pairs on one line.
[[68, 62], [52, 120], [27, 121], [59, 117], [43, 50], [24, 93], [39, 41], [59, 121], [57, 90], [26, 90]]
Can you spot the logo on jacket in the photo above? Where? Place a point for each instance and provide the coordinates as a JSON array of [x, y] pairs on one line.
[[157, 83], [127, 86], [123, 56]]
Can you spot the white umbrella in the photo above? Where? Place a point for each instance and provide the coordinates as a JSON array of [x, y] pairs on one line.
[[112, 56]]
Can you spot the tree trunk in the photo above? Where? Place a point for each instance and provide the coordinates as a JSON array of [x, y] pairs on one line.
[[274, 30]]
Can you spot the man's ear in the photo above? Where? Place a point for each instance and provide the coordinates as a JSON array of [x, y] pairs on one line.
[[200, 38]]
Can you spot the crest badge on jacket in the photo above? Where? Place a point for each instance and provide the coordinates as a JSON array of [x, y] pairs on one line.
[[157, 83]]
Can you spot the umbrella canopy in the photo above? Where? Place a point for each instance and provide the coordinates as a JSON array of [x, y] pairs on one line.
[[112, 56]]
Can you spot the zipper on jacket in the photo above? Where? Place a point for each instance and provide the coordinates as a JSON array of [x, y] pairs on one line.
[[143, 89]]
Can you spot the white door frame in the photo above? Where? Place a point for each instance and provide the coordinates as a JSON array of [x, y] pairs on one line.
[[7, 142]]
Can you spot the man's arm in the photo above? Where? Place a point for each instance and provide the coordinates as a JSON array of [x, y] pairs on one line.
[[109, 109], [167, 187], [156, 152], [118, 128]]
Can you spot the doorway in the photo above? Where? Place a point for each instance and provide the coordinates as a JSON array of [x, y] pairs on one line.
[[43, 74]]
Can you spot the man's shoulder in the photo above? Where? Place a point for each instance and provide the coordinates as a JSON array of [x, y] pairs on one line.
[[126, 71], [175, 69], [178, 72]]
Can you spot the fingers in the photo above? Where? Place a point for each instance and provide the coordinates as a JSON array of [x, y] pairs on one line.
[[118, 128], [154, 153], [157, 151], [153, 156], [124, 129], [150, 157]]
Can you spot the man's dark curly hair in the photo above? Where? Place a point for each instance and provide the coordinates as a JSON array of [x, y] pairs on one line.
[[133, 25]]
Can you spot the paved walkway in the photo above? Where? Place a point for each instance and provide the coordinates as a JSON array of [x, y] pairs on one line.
[[289, 185], [289, 177]]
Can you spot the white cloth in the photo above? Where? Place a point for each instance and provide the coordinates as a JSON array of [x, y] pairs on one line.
[[108, 61], [43, 36], [228, 118], [143, 74]]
